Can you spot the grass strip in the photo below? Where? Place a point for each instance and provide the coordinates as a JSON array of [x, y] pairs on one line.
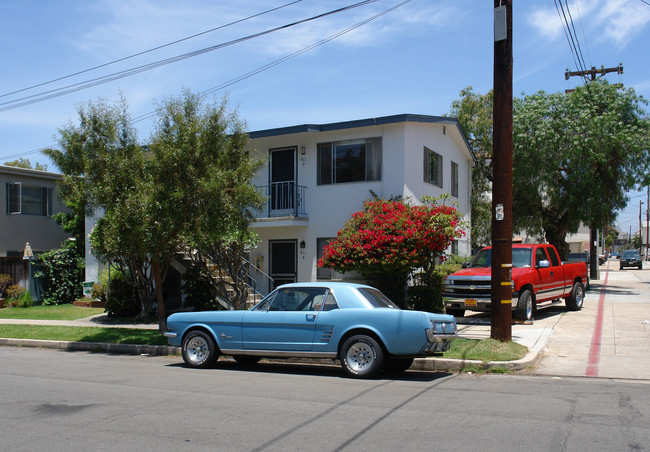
[[485, 350], [83, 334], [54, 312]]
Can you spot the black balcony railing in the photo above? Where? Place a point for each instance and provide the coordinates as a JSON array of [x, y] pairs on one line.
[[284, 199]]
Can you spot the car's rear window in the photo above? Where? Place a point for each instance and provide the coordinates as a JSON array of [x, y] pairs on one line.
[[376, 298]]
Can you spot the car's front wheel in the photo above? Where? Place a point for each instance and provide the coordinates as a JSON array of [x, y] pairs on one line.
[[361, 357], [199, 349], [525, 306]]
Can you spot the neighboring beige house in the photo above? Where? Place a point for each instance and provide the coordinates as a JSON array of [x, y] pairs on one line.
[[317, 175], [30, 201]]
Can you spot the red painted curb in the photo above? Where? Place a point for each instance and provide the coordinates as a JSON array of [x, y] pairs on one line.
[[594, 349]]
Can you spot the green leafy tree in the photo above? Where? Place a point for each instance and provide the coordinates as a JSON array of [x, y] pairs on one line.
[[25, 163], [188, 189], [389, 239], [575, 158], [474, 112], [199, 172]]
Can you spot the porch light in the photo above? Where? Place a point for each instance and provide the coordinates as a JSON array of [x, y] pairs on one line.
[[28, 253]]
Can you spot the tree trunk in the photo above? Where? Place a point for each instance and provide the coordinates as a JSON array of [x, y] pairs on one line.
[[158, 281]]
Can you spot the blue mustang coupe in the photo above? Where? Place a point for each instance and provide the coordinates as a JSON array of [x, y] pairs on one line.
[[354, 323]]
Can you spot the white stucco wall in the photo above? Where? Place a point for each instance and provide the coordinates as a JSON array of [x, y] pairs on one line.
[[329, 206]]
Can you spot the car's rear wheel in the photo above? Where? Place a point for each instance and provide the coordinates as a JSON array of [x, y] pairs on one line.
[[397, 365], [576, 299], [361, 357], [525, 306], [199, 349], [246, 360]]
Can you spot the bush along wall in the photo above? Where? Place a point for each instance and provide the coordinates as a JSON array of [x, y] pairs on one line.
[[61, 271]]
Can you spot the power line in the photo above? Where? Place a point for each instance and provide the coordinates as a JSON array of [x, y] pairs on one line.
[[149, 50], [286, 57], [569, 32], [35, 98], [255, 71]]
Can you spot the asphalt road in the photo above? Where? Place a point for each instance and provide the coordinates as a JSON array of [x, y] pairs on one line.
[[54, 400]]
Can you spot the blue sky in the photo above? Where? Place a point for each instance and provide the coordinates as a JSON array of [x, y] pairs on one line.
[[414, 59]]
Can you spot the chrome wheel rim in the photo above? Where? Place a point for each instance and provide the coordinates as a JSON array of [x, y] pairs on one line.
[[360, 357], [580, 296], [197, 349]]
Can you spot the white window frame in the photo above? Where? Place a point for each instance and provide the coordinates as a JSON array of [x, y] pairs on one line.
[[433, 164]]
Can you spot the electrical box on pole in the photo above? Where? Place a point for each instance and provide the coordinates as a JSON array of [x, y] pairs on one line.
[[501, 289]]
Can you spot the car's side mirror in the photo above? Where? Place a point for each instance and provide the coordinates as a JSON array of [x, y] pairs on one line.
[[544, 264], [465, 264]]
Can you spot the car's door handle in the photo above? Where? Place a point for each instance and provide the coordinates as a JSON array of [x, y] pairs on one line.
[[552, 274], [311, 316]]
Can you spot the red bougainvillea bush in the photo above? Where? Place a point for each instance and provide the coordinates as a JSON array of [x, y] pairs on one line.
[[389, 239]]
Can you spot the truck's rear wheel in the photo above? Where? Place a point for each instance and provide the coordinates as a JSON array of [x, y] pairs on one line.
[[576, 299], [525, 306]]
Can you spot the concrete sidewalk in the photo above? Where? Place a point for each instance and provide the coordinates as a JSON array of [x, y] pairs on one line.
[[610, 336]]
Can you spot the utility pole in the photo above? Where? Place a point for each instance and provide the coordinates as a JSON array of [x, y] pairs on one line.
[[501, 289], [593, 234], [647, 226], [640, 228]]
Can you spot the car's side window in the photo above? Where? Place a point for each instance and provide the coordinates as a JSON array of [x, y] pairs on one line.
[[540, 256], [303, 299], [330, 303]]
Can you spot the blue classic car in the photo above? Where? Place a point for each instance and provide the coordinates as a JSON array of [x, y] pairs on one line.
[[354, 323]]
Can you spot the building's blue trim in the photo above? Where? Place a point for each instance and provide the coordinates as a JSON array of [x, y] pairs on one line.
[[362, 123]]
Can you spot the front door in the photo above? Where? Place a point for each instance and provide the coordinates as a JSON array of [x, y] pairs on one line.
[[283, 261], [282, 177]]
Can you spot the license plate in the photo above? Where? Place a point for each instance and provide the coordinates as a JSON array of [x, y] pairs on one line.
[[470, 302]]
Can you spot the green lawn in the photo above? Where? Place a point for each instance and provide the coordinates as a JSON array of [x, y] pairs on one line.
[[485, 350], [468, 349], [60, 312], [83, 334]]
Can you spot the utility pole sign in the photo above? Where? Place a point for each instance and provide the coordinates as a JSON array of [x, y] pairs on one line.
[[501, 289]]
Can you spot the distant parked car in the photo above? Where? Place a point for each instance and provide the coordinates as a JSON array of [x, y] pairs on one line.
[[354, 323], [615, 255], [631, 258]]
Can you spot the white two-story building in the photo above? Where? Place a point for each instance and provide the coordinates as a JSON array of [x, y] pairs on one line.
[[319, 174]]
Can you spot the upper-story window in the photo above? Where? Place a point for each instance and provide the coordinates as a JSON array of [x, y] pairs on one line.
[[349, 161], [29, 200], [432, 167], [454, 179]]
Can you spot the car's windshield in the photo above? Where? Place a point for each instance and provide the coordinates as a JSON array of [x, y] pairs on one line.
[[376, 298], [521, 257], [630, 253]]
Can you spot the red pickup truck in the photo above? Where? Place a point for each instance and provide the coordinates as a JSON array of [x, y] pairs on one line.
[[538, 278]]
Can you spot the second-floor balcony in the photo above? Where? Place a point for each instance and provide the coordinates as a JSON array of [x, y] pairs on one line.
[[284, 199]]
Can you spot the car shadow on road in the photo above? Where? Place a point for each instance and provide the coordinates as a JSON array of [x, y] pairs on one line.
[[315, 369]]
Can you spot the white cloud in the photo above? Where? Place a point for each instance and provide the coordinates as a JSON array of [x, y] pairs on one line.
[[610, 22], [623, 20]]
